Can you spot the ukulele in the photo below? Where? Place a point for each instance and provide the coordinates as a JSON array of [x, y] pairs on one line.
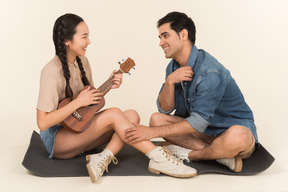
[[80, 119]]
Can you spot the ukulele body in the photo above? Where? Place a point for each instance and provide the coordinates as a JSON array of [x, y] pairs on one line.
[[80, 123], [81, 119]]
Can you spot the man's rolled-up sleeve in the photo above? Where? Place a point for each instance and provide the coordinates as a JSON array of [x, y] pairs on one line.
[[197, 122], [209, 93], [163, 111]]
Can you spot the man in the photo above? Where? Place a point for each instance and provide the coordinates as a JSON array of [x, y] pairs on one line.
[[211, 120]]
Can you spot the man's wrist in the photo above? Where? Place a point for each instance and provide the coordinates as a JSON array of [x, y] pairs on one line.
[[154, 132], [169, 82]]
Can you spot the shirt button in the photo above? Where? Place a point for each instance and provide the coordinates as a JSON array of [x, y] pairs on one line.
[[185, 83]]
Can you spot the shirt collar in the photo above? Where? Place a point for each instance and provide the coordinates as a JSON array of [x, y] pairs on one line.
[[191, 60], [193, 56]]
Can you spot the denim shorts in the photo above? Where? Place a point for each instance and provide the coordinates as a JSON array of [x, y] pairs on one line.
[[216, 131], [48, 138]]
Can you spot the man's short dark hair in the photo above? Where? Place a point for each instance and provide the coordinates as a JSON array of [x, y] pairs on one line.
[[179, 21]]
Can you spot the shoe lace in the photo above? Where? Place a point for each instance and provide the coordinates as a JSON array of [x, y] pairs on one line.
[[103, 165], [169, 155], [181, 155]]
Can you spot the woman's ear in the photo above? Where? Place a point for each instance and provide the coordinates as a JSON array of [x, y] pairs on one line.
[[66, 44]]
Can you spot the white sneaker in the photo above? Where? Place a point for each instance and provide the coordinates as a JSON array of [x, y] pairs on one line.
[[98, 163], [234, 164], [179, 152], [162, 161]]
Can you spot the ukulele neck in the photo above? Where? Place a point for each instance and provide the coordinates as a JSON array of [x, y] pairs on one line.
[[106, 86]]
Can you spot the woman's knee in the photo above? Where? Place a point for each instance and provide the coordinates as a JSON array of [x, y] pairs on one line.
[[132, 116], [111, 114]]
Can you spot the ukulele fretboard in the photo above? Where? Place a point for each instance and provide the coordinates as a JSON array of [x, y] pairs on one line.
[[106, 86]]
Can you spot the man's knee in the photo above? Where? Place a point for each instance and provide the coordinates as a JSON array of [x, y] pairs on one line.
[[239, 137], [156, 119], [245, 140]]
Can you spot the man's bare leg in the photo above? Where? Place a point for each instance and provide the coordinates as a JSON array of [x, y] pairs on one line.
[[236, 140], [194, 141]]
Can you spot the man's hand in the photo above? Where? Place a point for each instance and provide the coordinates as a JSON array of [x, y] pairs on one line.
[[139, 133], [181, 74]]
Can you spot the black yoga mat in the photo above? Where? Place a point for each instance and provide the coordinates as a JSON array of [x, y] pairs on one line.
[[131, 163]]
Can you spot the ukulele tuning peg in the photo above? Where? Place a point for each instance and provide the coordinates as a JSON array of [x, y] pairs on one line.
[[129, 73], [119, 62], [124, 59], [133, 69]]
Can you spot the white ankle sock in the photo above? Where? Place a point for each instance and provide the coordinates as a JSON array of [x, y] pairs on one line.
[[108, 152], [152, 153]]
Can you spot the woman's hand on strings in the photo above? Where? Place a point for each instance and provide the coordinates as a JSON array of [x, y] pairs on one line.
[[89, 96], [117, 79]]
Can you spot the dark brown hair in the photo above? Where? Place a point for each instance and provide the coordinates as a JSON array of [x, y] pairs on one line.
[[179, 21], [64, 29]]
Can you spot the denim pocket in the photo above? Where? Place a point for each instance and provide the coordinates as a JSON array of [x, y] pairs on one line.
[[48, 138]]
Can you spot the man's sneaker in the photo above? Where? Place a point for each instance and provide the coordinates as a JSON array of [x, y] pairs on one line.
[[162, 161], [234, 164], [98, 163], [179, 152]]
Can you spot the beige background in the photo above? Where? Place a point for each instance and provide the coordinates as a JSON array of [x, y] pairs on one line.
[[249, 37]]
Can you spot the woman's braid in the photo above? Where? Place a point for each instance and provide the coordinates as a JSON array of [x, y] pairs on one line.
[[84, 77], [61, 52], [64, 29]]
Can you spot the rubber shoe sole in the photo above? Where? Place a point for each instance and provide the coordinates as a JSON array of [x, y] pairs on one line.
[[88, 158], [91, 174], [238, 164], [173, 175]]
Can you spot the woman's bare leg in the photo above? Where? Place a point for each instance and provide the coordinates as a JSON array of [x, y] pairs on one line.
[[69, 144], [116, 144]]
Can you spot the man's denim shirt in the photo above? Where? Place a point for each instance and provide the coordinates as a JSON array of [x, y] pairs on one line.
[[212, 101]]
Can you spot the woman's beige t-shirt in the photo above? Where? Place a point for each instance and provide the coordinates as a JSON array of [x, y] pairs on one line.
[[53, 84]]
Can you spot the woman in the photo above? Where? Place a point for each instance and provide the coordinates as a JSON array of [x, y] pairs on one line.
[[66, 75]]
